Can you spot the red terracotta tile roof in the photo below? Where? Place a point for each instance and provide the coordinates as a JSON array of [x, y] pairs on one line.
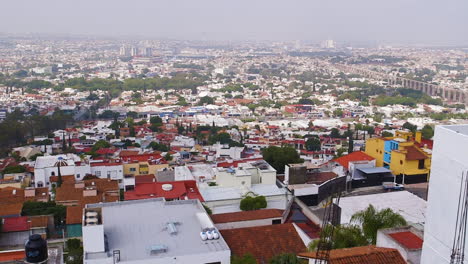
[[68, 193], [180, 190], [9, 256], [413, 153], [16, 224], [362, 255], [320, 177], [407, 239], [128, 153], [264, 242], [145, 178], [11, 209], [39, 221], [65, 178], [354, 156], [246, 216], [74, 215]]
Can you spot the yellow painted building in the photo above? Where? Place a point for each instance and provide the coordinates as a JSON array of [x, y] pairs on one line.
[[142, 167], [401, 154], [375, 149]]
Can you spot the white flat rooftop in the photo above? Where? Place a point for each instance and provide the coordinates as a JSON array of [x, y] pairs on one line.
[[461, 129], [410, 206], [133, 227], [216, 193]]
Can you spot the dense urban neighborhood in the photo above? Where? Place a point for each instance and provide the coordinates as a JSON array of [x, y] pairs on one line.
[[145, 151]]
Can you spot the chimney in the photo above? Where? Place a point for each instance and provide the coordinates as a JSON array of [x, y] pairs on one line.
[[29, 192], [89, 191], [418, 136]]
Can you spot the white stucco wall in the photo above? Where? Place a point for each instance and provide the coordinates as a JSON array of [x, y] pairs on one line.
[[449, 160]]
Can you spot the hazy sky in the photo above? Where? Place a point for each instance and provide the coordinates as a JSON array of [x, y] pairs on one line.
[[392, 21]]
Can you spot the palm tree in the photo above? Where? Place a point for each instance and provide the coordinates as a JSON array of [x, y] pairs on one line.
[[372, 220], [344, 236]]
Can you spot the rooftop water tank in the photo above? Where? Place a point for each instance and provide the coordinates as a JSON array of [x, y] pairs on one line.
[[167, 187], [36, 249]]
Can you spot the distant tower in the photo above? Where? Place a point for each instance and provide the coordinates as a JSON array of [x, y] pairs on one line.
[[134, 51], [148, 52], [328, 44], [124, 51], [36, 250]]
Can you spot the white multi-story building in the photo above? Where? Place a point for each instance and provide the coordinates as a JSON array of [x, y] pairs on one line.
[[449, 163], [108, 170], [246, 174], [151, 231], [183, 141], [47, 166]]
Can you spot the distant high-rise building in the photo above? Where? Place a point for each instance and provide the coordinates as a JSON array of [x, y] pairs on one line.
[[124, 51], [134, 51], [328, 44], [148, 52]]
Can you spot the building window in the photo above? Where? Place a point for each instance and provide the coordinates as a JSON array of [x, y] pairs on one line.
[[98, 174], [132, 169], [78, 175], [52, 173], [401, 162], [421, 164], [276, 222]]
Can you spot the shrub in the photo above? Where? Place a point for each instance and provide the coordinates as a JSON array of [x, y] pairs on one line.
[[253, 203]]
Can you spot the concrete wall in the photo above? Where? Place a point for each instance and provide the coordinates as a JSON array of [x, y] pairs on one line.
[[13, 238], [93, 238], [449, 161], [226, 179], [224, 257], [242, 224]]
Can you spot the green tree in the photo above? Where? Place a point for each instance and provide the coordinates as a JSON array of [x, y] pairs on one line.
[[206, 100], [313, 144], [410, 127], [107, 114], [427, 132], [207, 209], [344, 236], [246, 259], [14, 169], [386, 134], [372, 220], [335, 133], [287, 258], [338, 112], [223, 138], [253, 203], [168, 156], [278, 157], [31, 208], [100, 144]]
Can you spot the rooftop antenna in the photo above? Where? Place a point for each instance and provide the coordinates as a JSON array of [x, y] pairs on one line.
[[457, 255], [331, 218]]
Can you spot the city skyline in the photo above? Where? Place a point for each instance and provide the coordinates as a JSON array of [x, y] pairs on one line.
[[388, 22]]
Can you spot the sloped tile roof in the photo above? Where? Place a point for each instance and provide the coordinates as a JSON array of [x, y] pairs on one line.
[[354, 156], [362, 255], [408, 239], [246, 216], [264, 242]]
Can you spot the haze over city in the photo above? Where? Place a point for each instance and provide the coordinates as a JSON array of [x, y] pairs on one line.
[[233, 132], [428, 22]]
